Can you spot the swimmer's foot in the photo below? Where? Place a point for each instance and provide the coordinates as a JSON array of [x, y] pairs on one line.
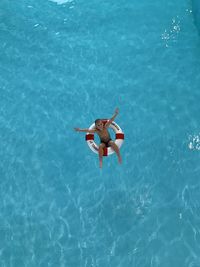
[[100, 164], [119, 159]]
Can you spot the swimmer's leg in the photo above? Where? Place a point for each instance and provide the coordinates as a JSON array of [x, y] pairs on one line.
[[116, 149], [101, 147]]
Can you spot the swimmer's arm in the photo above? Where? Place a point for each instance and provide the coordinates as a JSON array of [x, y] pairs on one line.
[[113, 117], [85, 130]]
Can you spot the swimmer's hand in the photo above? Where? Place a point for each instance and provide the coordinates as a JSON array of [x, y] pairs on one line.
[[85, 130], [116, 111], [77, 129]]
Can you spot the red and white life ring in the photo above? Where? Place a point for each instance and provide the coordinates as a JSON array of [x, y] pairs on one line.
[[119, 138]]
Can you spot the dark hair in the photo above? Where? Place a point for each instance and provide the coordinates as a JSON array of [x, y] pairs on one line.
[[97, 120]]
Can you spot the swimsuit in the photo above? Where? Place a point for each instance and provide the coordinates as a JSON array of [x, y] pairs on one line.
[[106, 142]]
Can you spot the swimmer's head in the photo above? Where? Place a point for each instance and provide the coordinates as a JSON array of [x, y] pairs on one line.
[[99, 124]]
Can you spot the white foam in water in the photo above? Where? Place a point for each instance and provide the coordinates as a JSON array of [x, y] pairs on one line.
[[172, 32], [60, 2], [194, 143]]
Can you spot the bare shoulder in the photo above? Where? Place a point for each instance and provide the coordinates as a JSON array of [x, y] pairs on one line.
[[105, 128]]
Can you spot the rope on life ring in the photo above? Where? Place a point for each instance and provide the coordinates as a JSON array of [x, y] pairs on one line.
[[119, 138]]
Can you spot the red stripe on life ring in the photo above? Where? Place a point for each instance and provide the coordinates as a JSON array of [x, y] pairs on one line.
[[105, 151], [119, 136], [89, 137]]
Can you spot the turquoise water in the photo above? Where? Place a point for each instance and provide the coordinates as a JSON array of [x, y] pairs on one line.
[[196, 13], [63, 66]]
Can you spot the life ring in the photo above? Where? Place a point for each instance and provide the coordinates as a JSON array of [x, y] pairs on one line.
[[119, 138]]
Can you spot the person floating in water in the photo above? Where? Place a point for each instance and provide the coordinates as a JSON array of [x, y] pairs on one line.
[[104, 135]]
